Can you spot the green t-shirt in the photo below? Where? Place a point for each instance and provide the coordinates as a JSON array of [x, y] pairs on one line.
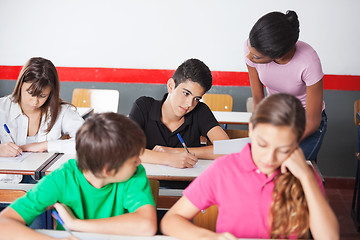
[[68, 185]]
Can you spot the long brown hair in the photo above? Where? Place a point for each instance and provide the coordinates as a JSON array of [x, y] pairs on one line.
[[41, 73], [289, 212]]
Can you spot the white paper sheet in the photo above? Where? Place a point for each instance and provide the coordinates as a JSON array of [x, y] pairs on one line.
[[230, 146], [19, 158]]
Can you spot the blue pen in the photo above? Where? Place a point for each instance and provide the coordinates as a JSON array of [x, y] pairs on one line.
[[182, 142], [58, 218], [8, 131]]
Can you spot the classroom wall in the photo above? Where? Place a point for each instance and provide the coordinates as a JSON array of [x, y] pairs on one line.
[[83, 37]]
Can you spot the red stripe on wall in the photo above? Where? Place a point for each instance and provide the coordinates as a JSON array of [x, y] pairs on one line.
[[155, 76]]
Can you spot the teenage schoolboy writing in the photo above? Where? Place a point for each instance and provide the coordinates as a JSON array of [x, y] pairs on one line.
[[180, 111], [105, 190], [267, 190]]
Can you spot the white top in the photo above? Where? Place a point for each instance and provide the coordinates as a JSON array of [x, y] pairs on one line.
[[68, 122]]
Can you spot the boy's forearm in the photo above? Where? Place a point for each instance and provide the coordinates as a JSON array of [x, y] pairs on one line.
[[174, 226], [205, 152], [12, 229], [126, 224], [150, 156]]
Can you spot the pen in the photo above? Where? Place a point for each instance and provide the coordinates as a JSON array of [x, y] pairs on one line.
[[8, 132], [182, 142], [58, 218]]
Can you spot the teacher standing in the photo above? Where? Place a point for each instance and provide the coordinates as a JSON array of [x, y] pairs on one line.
[[276, 59]]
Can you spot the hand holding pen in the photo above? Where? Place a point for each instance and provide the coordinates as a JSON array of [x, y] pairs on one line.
[[9, 149], [188, 160], [182, 142], [58, 218]]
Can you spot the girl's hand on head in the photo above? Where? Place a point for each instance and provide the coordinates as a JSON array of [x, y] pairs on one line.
[[35, 147], [296, 164], [9, 150]]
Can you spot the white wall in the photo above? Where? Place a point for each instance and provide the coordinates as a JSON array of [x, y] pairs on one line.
[[160, 34]]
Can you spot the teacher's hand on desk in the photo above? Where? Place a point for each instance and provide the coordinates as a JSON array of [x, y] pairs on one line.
[[9, 150]]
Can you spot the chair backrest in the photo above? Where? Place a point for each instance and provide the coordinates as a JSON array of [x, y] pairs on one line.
[[218, 102], [155, 185], [10, 195], [249, 104], [233, 133], [356, 110], [101, 100], [207, 219]]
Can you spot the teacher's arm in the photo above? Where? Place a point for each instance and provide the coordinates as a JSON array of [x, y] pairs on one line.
[[314, 100], [257, 88]]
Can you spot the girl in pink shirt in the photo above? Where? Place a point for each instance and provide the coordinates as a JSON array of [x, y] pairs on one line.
[[267, 190], [276, 59]]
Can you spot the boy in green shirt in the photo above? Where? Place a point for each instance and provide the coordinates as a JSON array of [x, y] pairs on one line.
[[105, 191]]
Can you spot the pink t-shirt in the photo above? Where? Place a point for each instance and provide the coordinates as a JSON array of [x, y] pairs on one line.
[[303, 70], [243, 194]]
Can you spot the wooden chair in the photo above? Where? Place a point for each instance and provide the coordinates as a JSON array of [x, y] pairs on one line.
[[233, 133], [9, 195], [101, 100], [355, 206], [218, 102], [155, 185], [207, 218]]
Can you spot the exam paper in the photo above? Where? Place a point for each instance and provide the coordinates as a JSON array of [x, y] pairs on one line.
[[230, 146], [19, 158]]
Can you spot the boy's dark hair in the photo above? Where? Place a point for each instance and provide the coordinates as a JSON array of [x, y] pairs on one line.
[[275, 34], [106, 141], [195, 71]]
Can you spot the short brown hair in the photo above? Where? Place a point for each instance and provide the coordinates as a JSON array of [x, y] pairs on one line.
[[106, 141]]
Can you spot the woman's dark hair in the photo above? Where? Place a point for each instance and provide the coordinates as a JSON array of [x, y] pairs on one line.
[[41, 73], [106, 141], [275, 34], [195, 71]]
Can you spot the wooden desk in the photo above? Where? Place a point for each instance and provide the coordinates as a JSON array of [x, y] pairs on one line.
[[232, 117], [61, 159], [162, 172], [97, 236], [31, 165], [153, 171]]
